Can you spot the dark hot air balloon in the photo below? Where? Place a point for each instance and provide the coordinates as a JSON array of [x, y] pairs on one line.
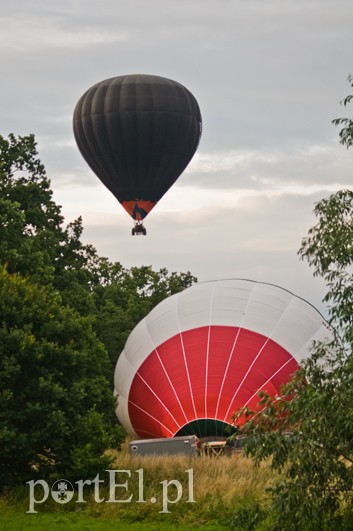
[[137, 133]]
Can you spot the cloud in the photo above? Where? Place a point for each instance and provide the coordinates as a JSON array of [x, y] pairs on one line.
[[325, 166], [50, 33]]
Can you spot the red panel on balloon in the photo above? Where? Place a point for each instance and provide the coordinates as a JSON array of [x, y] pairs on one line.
[[207, 372]]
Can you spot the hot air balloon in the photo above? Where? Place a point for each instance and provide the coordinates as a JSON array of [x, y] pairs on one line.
[[204, 353], [137, 133]]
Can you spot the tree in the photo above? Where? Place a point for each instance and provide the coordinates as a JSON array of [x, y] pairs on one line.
[[56, 405], [33, 239], [63, 308], [316, 406], [307, 431], [346, 133], [328, 248], [31, 222], [125, 296], [35, 243]]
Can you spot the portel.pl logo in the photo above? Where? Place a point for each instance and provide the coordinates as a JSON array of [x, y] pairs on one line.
[[116, 490]]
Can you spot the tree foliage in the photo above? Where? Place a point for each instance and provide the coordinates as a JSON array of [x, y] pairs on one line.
[[346, 133], [125, 296], [307, 431], [30, 221], [54, 385], [328, 248], [65, 314]]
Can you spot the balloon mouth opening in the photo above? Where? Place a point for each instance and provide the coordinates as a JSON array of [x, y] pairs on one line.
[[138, 209], [207, 428]]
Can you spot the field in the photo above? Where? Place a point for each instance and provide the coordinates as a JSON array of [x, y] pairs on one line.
[[154, 493]]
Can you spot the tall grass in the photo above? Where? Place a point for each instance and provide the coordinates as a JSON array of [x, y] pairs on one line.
[[227, 492], [222, 486]]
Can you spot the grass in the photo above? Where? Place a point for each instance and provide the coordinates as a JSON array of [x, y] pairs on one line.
[[11, 521], [225, 492]]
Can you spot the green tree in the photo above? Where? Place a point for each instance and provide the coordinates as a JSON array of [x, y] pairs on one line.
[[63, 308], [33, 239], [125, 296], [35, 243], [31, 222], [307, 431], [346, 133], [316, 407], [56, 406]]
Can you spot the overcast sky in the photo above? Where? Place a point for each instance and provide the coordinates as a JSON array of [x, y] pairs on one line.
[[268, 76]]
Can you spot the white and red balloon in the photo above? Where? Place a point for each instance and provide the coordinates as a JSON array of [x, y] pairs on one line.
[[202, 354]]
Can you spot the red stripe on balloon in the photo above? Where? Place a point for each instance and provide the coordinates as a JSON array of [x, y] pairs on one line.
[[240, 363]]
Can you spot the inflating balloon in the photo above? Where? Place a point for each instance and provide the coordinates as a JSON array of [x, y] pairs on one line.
[[204, 353], [137, 133]]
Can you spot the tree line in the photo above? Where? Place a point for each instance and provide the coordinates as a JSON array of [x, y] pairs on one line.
[[65, 314]]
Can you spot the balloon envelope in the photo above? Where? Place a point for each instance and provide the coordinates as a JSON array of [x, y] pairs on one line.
[[137, 133], [204, 353]]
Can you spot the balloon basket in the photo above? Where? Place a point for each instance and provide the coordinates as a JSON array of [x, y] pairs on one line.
[[139, 229]]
